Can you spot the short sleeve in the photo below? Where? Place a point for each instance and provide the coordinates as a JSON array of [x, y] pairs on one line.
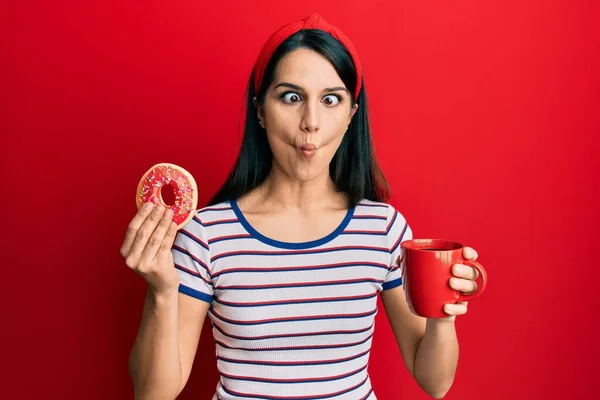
[[397, 231], [191, 255]]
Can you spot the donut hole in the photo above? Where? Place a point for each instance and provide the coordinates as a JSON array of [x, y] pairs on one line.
[[167, 194]]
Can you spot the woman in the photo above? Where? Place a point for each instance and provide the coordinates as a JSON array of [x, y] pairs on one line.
[[289, 256]]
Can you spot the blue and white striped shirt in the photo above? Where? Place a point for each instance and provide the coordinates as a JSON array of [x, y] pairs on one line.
[[291, 321]]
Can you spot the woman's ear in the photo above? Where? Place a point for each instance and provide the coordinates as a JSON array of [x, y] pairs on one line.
[[354, 110], [259, 112]]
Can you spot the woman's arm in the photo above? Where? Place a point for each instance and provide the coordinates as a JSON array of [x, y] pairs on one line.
[[429, 347], [163, 354]]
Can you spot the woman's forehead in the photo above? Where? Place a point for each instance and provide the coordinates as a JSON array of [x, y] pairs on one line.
[[307, 69]]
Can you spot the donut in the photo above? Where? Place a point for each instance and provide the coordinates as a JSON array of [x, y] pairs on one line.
[[171, 186]]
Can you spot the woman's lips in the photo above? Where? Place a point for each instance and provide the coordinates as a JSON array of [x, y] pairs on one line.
[[308, 151]]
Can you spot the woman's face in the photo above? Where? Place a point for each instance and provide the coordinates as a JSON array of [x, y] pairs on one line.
[[306, 112]]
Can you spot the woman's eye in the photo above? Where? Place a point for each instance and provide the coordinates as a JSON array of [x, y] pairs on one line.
[[331, 100], [291, 97]]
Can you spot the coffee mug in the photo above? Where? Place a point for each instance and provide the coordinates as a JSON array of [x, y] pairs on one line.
[[427, 271]]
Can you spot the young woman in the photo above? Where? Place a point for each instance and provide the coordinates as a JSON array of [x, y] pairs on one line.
[[288, 258]]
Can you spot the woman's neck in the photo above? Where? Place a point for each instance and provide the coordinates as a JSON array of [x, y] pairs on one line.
[[282, 191]]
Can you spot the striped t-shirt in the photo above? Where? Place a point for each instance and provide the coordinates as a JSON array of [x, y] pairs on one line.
[[291, 321]]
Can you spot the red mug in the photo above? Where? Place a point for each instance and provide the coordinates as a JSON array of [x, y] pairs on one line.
[[426, 274]]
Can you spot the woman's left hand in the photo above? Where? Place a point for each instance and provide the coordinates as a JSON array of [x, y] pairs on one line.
[[463, 280]]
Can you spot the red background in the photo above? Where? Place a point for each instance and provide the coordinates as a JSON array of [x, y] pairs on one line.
[[486, 121]]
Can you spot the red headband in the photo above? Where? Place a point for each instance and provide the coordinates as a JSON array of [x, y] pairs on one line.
[[315, 21]]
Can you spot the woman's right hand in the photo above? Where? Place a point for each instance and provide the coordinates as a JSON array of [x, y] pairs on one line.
[[147, 247]]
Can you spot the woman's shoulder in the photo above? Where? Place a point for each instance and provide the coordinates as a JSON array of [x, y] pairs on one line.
[[209, 216], [387, 213], [376, 208], [383, 217], [215, 212], [396, 226], [209, 221]]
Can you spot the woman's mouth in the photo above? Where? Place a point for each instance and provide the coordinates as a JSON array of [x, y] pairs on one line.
[[308, 151]]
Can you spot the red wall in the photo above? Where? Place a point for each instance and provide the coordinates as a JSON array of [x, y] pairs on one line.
[[486, 120]]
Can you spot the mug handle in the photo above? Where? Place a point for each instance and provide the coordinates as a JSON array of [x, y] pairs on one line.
[[481, 281]]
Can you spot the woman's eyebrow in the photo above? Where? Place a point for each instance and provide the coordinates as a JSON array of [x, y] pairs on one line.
[[336, 89], [300, 89], [289, 85]]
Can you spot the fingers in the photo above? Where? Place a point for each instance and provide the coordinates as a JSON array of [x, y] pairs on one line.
[[465, 286], [456, 309], [134, 226], [167, 243], [470, 254], [464, 271], [156, 239], [143, 236]]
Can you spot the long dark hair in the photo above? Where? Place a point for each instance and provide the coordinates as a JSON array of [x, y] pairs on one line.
[[353, 169]]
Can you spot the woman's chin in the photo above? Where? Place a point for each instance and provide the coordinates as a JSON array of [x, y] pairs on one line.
[[307, 173], [304, 170]]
